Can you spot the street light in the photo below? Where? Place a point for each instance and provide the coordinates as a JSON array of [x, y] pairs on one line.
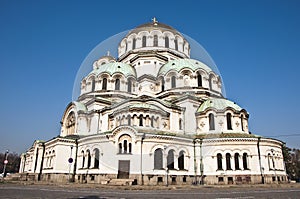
[[5, 162]]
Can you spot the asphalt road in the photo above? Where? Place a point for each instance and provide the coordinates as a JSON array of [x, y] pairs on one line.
[[8, 191]]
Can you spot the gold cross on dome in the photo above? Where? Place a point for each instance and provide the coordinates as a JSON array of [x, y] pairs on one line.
[[154, 21]]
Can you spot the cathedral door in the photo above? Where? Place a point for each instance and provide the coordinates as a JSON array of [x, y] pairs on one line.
[[123, 171]]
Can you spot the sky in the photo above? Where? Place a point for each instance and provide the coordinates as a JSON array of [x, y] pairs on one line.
[[255, 44]]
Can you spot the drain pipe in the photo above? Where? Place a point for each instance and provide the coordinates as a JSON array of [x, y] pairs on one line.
[[195, 162], [201, 162], [259, 158], [75, 162]]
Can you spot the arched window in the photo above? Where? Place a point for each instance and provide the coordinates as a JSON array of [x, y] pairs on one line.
[[228, 119], [219, 161], [211, 81], [133, 43], [228, 161], [242, 122], [117, 84], [128, 120], [162, 84], [180, 124], [245, 161], [199, 80], [269, 159], [158, 159], [93, 84], [236, 161], [176, 44], [96, 158], [129, 147], [70, 124], [170, 159], [173, 82], [166, 41], [89, 159], [129, 86], [83, 159], [125, 45], [125, 145], [155, 40], [141, 120], [181, 160], [104, 84], [144, 41], [211, 119]]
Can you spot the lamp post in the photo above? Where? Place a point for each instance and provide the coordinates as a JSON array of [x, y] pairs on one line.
[[5, 162]]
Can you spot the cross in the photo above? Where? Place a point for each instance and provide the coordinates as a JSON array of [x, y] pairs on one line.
[[154, 21]]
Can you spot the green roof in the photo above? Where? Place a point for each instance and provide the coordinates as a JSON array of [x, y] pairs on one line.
[[80, 106], [219, 104], [144, 106], [115, 67], [180, 64]]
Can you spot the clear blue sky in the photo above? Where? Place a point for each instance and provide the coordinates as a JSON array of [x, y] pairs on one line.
[[255, 44]]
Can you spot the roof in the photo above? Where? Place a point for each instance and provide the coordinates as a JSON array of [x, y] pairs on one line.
[[218, 103], [179, 64], [115, 67], [80, 106]]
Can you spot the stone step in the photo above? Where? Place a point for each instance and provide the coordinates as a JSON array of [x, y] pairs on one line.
[[121, 181]]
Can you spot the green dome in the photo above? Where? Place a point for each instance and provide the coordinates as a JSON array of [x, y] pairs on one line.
[[115, 67], [179, 64], [219, 104]]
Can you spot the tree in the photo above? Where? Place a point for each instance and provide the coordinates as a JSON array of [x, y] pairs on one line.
[[292, 162], [13, 162]]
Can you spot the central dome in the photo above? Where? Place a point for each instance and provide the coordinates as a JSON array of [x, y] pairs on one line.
[[155, 25]]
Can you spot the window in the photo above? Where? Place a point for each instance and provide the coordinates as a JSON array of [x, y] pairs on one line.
[[166, 41], [125, 45], [173, 82], [170, 159], [125, 146], [93, 84], [83, 159], [228, 163], [89, 159], [133, 43], [158, 159], [242, 122], [117, 84], [128, 120], [141, 120], [120, 147], [162, 84], [176, 44], [155, 40], [181, 160], [236, 161], [228, 118], [269, 164], [144, 41], [211, 81], [152, 121], [70, 124], [96, 158], [180, 124], [104, 84], [211, 119], [219, 161], [245, 161], [199, 80], [129, 86]]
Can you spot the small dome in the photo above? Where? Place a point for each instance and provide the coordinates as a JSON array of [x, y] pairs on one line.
[[179, 64], [115, 67], [220, 104]]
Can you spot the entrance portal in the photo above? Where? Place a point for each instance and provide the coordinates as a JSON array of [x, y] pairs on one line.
[[123, 171]]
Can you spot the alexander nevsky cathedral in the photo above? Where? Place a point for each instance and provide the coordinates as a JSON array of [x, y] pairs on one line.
[[154, 115]]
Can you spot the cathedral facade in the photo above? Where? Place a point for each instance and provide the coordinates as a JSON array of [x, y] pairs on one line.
[[153, 115]]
